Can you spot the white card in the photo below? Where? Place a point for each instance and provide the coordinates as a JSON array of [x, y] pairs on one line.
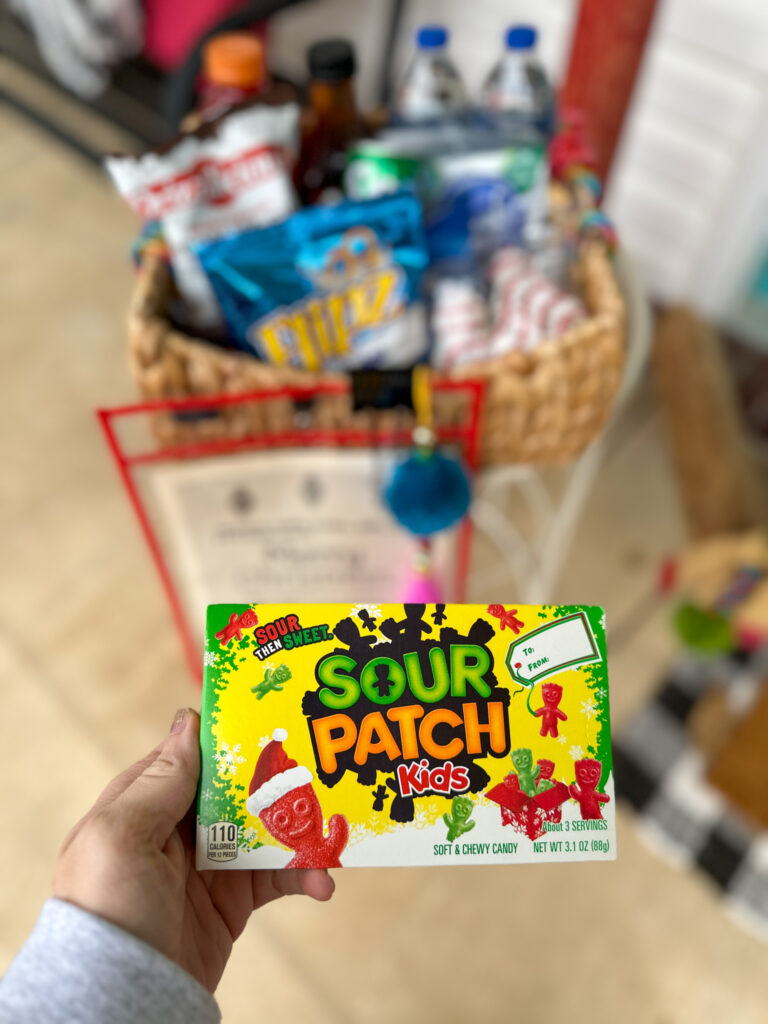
[[288, 525]]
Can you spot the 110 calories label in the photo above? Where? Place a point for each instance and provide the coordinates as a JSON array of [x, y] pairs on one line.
[[222, 841]]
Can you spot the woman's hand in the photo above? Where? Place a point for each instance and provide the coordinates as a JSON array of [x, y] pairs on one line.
[[131, 860]]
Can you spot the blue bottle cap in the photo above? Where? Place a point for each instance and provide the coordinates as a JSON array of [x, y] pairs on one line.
[[431, 37], [521, 37]]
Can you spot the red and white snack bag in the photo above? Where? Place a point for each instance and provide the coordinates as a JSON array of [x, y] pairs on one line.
[[232, 174], [527, 306], [460, 324]]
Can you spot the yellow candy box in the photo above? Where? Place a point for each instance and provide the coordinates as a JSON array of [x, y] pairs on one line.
[[381, 735]]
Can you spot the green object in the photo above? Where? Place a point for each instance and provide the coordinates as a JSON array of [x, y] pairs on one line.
[[759, 287], [372, 171], [704, 631], [544, 784], [527, 773], [377, 167], [458, 821], [272, 682]]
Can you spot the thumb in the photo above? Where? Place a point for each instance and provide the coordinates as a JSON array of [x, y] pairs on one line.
[[158, 798]]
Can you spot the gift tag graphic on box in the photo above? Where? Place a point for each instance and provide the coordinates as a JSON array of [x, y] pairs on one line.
[[561, 644]]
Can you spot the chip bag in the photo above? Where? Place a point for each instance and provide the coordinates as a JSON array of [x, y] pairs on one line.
[[335, 287], [231, 174]]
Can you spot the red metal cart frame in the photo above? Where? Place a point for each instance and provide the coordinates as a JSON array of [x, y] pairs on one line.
[[466, 438]]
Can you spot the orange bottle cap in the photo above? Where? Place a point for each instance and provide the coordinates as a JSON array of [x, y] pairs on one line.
[[235, 59]]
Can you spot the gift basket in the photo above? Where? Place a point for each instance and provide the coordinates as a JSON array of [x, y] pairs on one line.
[[288, 245]]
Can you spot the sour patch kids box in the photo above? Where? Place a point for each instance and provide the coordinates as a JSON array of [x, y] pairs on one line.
[[378, 735]]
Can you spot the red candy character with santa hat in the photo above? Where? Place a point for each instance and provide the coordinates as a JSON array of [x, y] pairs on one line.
[[282, 795]]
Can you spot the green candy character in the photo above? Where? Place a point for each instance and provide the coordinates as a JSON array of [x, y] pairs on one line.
[[522, 760], [272, 682], [461, 809]]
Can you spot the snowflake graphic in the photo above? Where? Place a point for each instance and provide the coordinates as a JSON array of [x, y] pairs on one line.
[[561, 739], [250, 837], [601, 692], [356, 834], [602, 620], [210, 658], [588, 708], [268, 665], [576, 753], [263, 741], [228, 758], [373, 610], [420, 818]]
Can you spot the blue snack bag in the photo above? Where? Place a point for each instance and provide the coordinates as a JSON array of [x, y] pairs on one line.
[[334, 287]]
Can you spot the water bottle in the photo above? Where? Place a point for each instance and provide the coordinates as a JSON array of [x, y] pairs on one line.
[[432, 90], [518, 91]]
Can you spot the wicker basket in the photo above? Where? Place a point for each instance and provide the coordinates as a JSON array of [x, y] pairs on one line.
[[542, 406]]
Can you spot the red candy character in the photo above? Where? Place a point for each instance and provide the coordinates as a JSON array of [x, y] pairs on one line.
[[234, 630], [545, 784], [506, 618], [282, 795], [549, 714], [584, 789], [546, 770]]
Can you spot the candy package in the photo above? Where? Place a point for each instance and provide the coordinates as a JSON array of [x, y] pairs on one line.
[[333, 286], [384, 735], [231, 174]]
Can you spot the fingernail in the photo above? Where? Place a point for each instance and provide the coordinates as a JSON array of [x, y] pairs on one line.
[[178, 721]]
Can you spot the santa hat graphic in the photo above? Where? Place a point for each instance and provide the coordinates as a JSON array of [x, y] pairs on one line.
[[275, 775]]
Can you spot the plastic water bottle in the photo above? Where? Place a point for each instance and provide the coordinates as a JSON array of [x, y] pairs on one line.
[[432, 89], [518, 90]]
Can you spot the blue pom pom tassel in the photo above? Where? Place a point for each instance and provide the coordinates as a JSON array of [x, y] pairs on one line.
[[428, 492]]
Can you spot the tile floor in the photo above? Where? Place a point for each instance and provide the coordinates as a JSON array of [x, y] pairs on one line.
[[91, 674]]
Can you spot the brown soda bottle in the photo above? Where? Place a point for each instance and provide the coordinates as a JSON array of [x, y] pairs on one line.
[[332, 120]]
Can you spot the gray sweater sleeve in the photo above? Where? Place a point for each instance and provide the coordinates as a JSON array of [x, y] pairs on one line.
[[76, 968]]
